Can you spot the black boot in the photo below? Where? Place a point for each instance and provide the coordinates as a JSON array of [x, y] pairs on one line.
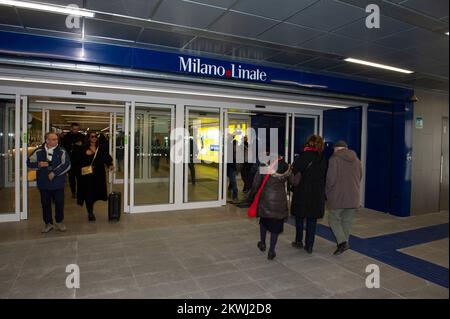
[[309, 250], [271, 255], [91, 217], [261, 246], [297, 244]]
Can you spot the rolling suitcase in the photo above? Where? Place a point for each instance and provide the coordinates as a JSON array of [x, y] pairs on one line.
[[114, 202], [114, 206]]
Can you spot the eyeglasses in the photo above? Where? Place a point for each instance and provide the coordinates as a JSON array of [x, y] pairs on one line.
[[93, 136]]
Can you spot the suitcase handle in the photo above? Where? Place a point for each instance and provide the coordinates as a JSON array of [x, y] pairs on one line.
[[111, 176]]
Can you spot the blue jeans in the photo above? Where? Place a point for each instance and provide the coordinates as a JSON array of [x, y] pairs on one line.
[[311, 224], [231, 173]]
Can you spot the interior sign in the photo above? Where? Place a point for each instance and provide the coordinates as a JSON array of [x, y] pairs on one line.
[[419, 122], [234, 71]]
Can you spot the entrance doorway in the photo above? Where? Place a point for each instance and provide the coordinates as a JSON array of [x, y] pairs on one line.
[[58, 115], [292, 131]]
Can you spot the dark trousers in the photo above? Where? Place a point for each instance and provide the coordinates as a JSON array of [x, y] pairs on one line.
[[311, 224], [90, 207], [47, 196], [231, 173], [192, 170], [73, 180], [273, 238], [246, 176]]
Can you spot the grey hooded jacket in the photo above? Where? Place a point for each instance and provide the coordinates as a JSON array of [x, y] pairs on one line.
[[343, 180]]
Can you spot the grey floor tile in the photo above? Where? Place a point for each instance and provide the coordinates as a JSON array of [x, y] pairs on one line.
[[43, 293], [152, 279], [91, 289], [404, 284], [105, 274], [193, 295], [221, 280], [42, 262], [167, 258], [57, 272], [270, 270], [203, 260], [94, 265], [283, 282], [302, 292], [5, 288], [246, 290], [204, 253], [172, 289], [325, 272], [156, 267], [365, 293], [343, 283], [212, 269], [429, 292]]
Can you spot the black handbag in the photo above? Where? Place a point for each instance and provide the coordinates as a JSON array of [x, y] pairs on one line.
[[294, 179]]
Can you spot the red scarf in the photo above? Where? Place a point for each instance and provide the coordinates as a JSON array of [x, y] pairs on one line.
[[314, 149]]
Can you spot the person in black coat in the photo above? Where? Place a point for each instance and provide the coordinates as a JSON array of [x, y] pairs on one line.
[[308, 201], [93, 186], [73, 141]]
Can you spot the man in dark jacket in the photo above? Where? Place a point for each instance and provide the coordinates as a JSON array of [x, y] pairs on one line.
[[73, 142], [343, 192], [52, 164]]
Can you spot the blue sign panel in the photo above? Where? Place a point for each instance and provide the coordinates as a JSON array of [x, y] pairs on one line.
[[214, 148], [169, 62]]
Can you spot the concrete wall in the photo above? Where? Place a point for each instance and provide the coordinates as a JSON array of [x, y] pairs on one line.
[[427, 151]]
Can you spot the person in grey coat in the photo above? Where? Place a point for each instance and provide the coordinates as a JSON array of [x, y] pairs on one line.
[[343, 193], [272, 206]]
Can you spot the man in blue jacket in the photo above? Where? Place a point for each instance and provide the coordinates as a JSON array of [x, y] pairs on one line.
[[52, 164]]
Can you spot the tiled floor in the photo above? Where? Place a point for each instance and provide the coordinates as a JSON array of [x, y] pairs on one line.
[[435, 252], [208, 253]]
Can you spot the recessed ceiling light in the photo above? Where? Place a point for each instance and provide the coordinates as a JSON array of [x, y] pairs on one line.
[[446, 33], [50, 8], [81, 103], [148, 90], [377, 65]]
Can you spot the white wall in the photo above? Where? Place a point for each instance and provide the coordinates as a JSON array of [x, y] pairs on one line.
[[431, 107]]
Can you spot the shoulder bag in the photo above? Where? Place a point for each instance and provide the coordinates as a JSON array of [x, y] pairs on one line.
[[253, 209], [88, 170]]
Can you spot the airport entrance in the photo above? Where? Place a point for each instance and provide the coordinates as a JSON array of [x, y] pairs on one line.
[[105, 118], [138, 136]]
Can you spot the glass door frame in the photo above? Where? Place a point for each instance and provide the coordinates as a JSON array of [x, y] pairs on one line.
[[317, 129], [222, 150], [132, 208], [15, 215], [24, 107]]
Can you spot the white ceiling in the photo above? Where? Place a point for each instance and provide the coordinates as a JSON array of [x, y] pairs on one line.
[[302, 34]]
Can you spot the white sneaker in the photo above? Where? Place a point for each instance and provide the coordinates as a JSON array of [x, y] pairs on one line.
[[47, 228], [61, 227]]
